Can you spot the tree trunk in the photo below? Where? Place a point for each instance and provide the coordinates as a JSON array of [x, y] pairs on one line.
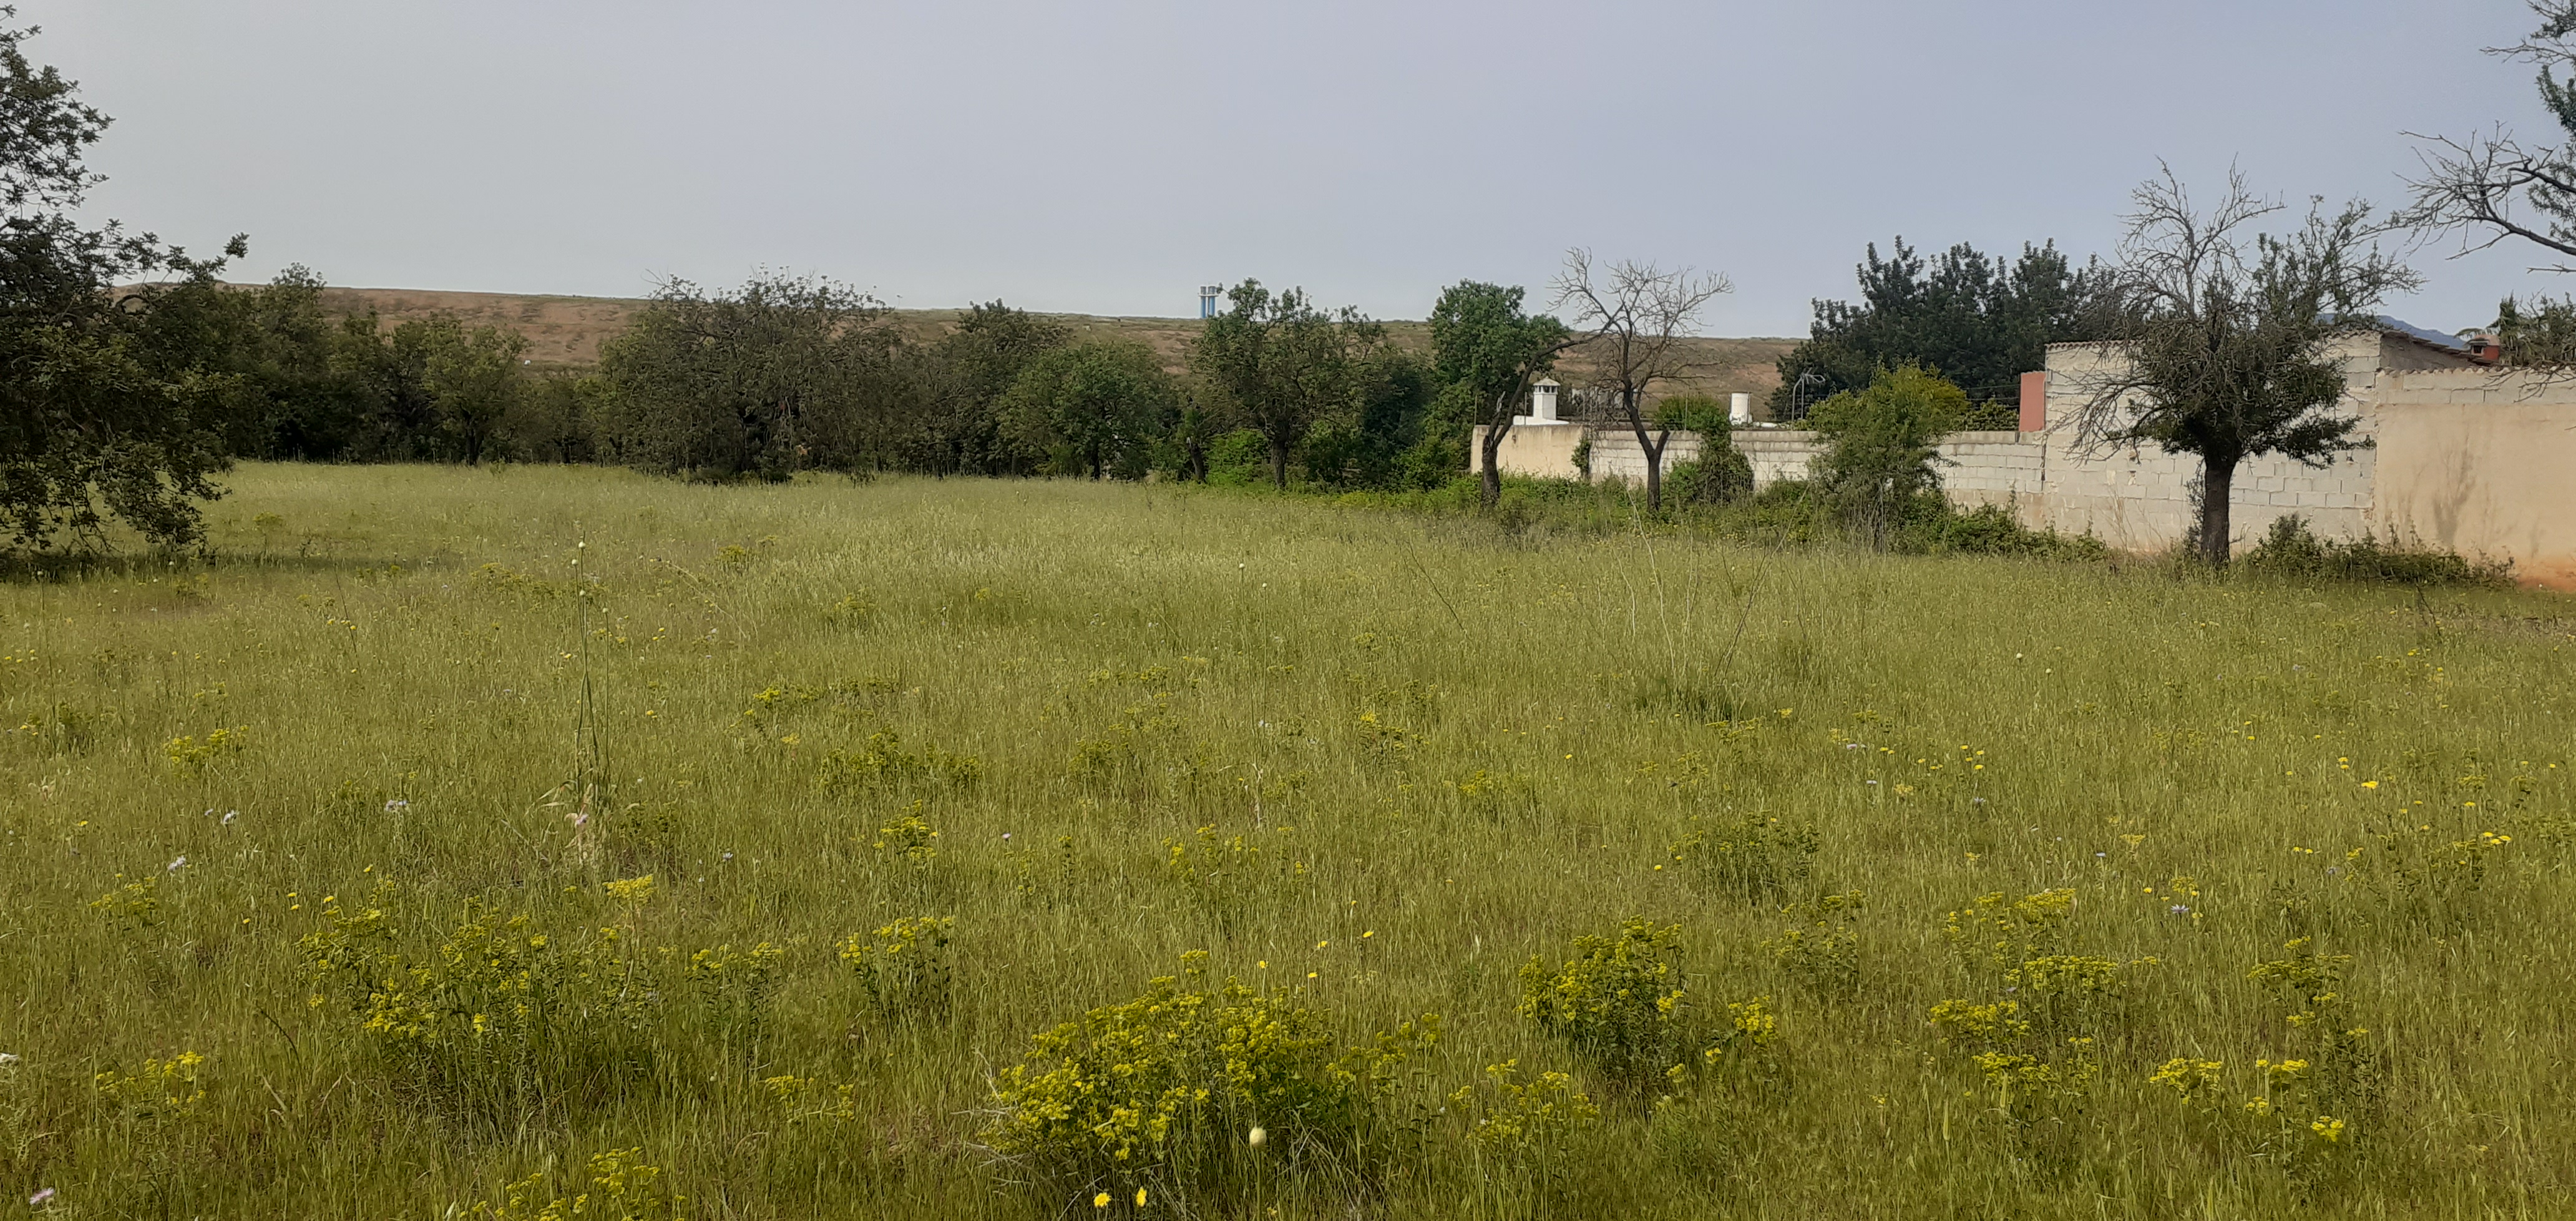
[[1654, 451], [1491, 491], [1279, 464], [2217, 483]]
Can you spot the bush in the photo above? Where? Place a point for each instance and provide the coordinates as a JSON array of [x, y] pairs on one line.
[[1159, 1093], [1238, 459], [2292, 549], [1720, 473], [1751, 857], [903, 968], [1990, 529], [1881, 446]]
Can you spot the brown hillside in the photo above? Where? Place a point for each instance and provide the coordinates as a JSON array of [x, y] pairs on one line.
[[570, 330]]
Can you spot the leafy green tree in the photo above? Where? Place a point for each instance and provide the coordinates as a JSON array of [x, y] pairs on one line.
[[950, 390], [2539, 333], [1093, 406], [387, 372], [88, 427], [1491, 352], [784, 374], [1279, 364], [555, 418], [1881, 451], [1366, 448], [475, 378], [2230, 352], [1974, 318], [267, 352]]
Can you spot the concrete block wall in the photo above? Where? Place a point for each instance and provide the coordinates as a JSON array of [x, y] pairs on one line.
[[2475, 460], [1616, 454]]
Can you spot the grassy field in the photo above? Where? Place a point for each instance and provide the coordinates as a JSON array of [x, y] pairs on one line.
[[320, 869]]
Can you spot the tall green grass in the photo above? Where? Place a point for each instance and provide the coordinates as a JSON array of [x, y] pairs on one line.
[[1380, 760]]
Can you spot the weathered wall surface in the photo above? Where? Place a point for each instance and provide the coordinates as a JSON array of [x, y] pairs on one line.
[[1541, 451], [2468, 459], [2481, 464], [1616, 454]]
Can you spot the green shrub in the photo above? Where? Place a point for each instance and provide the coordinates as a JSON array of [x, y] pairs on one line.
[[1881, 447], [903, 969], [1823, 954], [1238, 459], [1721, 473], [1938, 528], [2291, 549], [1750, 857], [1619, 1004]]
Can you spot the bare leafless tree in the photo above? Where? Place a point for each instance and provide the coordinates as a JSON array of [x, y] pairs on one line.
[[2491, 186], [2227, 350], [1637, 316]]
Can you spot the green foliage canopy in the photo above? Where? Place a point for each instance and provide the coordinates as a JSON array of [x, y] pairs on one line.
[[1968, 315], [1279, 364], [1882, 446], [1091, 407], [90, 425], [760, 382]]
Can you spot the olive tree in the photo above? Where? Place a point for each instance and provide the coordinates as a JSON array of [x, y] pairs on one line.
[[1091, 406], [783, 374], [2227, 350]]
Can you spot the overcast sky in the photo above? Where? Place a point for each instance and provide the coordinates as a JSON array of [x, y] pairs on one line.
[[1109, 157]]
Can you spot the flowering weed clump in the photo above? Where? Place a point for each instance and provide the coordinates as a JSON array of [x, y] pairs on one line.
[[2038, 1034], [886, 763], [621, 1186], [1622, 1007], [903, 969], [1752, 857], [1158, 1092], [1822, 954], [1525, 1132], [1225, 878], [495, 1019]]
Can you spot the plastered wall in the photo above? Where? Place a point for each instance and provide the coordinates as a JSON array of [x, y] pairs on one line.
[[2462, 457]]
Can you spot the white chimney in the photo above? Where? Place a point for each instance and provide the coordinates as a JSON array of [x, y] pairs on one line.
[[1739, 408], [1543, 401]]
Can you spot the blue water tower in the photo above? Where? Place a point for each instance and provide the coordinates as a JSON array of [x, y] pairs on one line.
[[1209, 295]]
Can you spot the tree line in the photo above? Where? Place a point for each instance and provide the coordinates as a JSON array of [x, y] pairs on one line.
[[124, 402]]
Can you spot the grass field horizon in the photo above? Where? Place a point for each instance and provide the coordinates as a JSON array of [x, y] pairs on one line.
[[568, 331], [1989, 887]]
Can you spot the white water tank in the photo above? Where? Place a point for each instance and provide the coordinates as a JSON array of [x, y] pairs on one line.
[[1739, 408]]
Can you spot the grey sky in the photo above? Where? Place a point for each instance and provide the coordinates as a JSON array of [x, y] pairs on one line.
[[1109, 157]]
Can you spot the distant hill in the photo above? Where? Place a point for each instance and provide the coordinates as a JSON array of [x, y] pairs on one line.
[[570, 330]]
